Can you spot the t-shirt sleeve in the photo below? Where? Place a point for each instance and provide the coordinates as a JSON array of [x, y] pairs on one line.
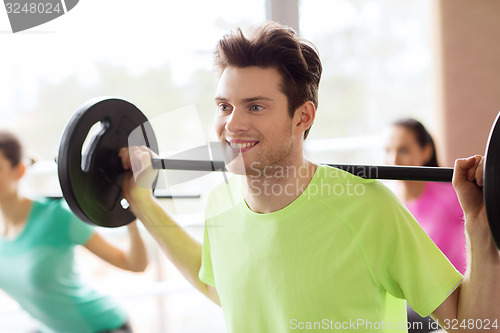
[[206, 273], [406, 263], [79, 232]]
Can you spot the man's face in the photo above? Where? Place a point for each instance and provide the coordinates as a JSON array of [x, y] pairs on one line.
[[252, 120]]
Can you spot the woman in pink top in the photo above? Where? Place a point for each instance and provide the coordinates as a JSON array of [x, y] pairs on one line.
[[434, 205]]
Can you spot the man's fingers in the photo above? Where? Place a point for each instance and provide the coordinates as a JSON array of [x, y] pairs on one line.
[[462, 166], [140, 159], [480, 172], [135, 158], [470, 168], [125, 158], [475, 173], [141, 166], [471, 173]]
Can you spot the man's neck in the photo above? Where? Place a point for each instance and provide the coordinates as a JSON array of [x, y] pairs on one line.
[[277, 186]]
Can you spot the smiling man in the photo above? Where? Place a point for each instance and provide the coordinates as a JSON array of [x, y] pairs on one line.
[[289, 245], [265, 138]]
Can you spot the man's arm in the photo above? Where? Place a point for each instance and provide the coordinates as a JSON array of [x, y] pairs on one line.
[[475, 305], [178, 245]]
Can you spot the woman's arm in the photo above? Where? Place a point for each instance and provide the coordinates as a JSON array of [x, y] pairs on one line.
[[135, 259]]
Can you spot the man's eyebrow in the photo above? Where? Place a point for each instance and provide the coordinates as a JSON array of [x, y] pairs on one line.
[[245, 100], [221, 99], [256, 98]]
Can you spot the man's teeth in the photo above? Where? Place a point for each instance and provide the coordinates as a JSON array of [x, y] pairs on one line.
[[242, 145]]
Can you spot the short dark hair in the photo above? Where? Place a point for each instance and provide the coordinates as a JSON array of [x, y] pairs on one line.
[[423, 137], [11, 147], [276, 46]]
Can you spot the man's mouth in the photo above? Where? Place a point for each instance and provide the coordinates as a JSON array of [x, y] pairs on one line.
[[240, 145]]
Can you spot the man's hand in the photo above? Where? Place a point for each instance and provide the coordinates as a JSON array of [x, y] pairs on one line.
[[140, 176], [479, 296], [468, 182]]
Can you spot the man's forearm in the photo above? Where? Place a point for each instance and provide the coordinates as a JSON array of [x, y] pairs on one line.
[[480, 293], [182, 250]]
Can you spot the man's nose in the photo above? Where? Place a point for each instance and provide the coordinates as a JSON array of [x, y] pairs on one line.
[[237, 122]]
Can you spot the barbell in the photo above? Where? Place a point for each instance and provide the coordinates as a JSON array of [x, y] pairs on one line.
[[91, 176]]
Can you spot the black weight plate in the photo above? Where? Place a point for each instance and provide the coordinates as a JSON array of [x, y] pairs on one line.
[[491, 190], [91, 180]]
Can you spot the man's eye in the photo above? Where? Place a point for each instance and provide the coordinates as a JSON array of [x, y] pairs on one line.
[[224, 107], [256, 107]]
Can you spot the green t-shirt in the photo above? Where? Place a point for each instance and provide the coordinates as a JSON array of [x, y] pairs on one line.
[[38, 271], [342, 257]]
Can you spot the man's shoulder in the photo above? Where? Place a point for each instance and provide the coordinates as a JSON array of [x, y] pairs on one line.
[[344, 183], [355, 199]]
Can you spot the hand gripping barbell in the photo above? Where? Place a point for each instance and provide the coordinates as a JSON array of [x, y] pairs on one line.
[[91, 180]]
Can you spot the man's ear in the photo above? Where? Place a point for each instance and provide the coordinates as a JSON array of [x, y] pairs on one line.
[[304, 117]]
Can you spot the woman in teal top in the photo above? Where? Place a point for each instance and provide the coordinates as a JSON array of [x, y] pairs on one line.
[[37, 264]]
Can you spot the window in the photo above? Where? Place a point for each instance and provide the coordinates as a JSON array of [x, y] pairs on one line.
[[377, 67]]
